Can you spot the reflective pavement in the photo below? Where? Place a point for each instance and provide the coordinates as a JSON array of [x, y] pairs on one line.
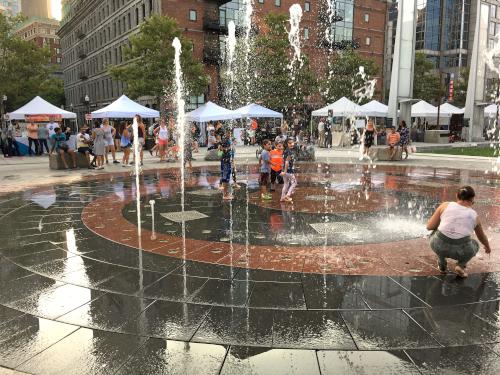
[[253, 288]]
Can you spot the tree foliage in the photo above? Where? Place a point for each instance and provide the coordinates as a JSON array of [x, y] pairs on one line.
[[343, 77], [24, 68], [149, 67], [426, 83], [460, 88]]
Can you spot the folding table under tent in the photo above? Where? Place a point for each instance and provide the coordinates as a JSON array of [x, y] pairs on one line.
[[124, 107], [40, 107], [374, 109]]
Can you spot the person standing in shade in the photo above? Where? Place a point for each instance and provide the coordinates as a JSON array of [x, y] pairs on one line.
[[368, 138], [32, 138], [404, 135], [265, 169], [125, 142], [276, 164], [393, 141], [43, 135], [109, 143], [453, 224], [11, 140], [99, 146], [117, 137], [288, 172], [321, 132], [226, 163]]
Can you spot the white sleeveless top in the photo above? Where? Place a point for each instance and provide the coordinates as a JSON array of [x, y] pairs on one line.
[[457, 221], [163, 133]]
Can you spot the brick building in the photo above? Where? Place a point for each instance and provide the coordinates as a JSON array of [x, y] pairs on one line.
[[93, 33], [42, 32]]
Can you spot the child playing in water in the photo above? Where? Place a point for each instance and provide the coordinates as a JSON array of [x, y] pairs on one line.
[[225, 167], [276, 165], [265, 169], [288, 172]]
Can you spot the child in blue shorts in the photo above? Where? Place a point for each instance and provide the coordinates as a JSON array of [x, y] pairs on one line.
[[226, 167]]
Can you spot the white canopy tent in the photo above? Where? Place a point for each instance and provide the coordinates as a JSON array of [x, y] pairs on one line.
[[491, 110], [424, 109], [124, 107], [341, 108], [40, 107], [450, 109], [255, 110], [374, 109], [211, 112]]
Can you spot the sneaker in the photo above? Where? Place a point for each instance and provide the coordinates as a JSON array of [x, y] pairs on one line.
[[116, 162]]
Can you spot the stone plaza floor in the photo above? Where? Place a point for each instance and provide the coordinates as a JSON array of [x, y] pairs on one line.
[[342, 282]]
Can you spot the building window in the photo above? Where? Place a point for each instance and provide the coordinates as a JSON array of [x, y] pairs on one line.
[[306, 33], [368, 41], [136, 16], [143, 11], [493, 11], [367, 17], [307, 6], [277, 3], [193, 15], [491, 29]]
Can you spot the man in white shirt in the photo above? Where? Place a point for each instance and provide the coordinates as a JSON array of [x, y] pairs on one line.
[[321, 133], [83, 144], [51, 128]]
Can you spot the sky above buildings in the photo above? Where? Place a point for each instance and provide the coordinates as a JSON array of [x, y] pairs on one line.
[[56, 8]]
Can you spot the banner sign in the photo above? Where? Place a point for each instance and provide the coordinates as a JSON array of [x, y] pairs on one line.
[[42, 118]]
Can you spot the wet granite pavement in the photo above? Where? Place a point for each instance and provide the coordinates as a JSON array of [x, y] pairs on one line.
[[76, 300]]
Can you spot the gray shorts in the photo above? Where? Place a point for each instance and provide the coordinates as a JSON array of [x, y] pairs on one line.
[[462, 249]]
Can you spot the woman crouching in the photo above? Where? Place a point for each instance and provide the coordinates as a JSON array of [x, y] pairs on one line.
[[453, 224]]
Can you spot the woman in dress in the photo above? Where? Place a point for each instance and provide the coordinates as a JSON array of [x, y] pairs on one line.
[[118, 135], [125, 142], [109, 143], [161, 133], [99, 146], [404, 134], [368, 138]]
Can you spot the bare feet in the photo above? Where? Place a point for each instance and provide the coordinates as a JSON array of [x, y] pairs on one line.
[[461, 272]]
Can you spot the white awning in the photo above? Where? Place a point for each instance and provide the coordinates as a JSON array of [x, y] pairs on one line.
[[451, 109], [424, 109], [258, 111], [374, 109], [124, 107], [40, 107], [341, 108], [211, 112]]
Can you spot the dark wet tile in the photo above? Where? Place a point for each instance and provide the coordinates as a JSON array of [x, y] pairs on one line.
[[109, 311], [265, 275], [174, 287], [7, 314], [175, 358], [440, 291], [160, 263], [386, 330], [332, 292], [489, 312], [85, 351], [17, 250], [237, 326], [207, 270], [60, 267], [365, 362], [168, 320], [130, 281], [456, 325], [256, 361], [92, 273], [311, 330], [277, 295], [224, 292], [462, 360], [29, 336], [10, 271], [42, 257], [122, 256], [55, 302], [15, 290]]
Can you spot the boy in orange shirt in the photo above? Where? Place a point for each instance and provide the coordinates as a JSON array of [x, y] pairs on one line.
[[393, 140], [276, 165]]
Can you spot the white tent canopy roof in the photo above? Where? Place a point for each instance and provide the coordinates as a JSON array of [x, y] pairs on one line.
[[255, 110], [124, 107], [211, 112], [424, 109], [341, 108], [39, 106], [374, 109], [491, 110], [448, 108]]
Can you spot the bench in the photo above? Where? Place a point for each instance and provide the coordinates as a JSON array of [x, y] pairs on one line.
[[55, 161], [382, 153]]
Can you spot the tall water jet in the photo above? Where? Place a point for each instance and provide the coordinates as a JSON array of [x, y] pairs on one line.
[[247, 43], [230, 52], [491, 57], [294, 37], [137, 172]]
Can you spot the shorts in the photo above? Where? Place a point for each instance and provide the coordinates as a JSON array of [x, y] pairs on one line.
[[225, 169], [276, 175], [462, 250], [162, 142], [264, 179], [83, 150], [109, 142]]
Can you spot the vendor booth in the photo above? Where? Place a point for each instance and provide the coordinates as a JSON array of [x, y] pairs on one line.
[[253, 111], [124, 107], [209, 112], [40, 112], [430, 113]]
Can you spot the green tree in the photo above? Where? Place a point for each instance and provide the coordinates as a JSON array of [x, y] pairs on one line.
[[426, 83], [343, 78], [149, 67], [460, 88], [24, 67]]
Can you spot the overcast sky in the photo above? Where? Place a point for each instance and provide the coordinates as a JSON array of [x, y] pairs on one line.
[[56, 8]]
